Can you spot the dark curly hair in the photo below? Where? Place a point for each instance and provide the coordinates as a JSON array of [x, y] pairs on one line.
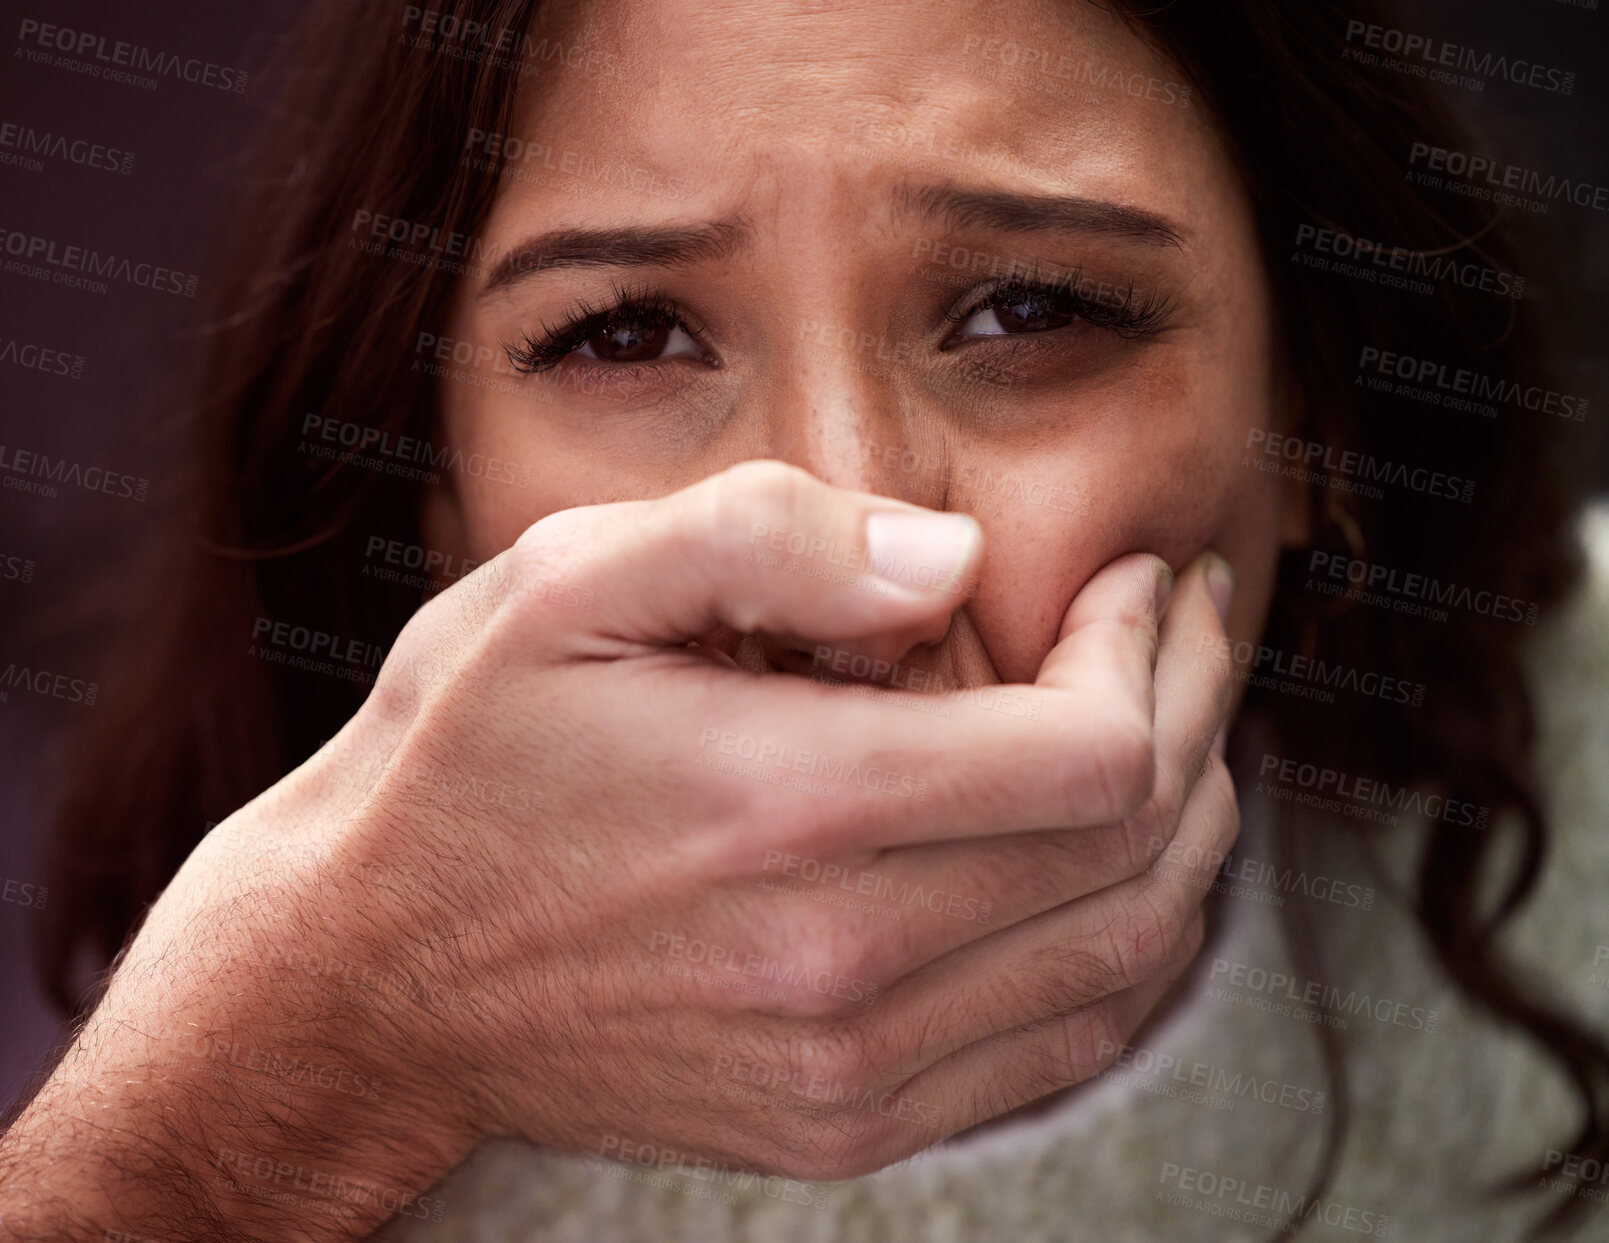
[[305, 322]]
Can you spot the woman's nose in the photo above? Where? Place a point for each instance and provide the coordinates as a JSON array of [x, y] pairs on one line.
[[848, 417], [845, 404]]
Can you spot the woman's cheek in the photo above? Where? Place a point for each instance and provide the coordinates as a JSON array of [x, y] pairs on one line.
[[1174, 496]]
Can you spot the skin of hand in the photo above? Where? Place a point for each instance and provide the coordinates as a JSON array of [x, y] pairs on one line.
[[526, 890]]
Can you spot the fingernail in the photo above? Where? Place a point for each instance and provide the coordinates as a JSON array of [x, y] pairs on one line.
[[1165, 582], [1220, 585], [928, 551]]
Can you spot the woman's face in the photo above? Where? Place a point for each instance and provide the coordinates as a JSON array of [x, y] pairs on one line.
[[987, 258]]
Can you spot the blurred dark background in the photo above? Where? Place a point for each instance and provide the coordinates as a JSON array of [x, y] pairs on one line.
[[190, 142]]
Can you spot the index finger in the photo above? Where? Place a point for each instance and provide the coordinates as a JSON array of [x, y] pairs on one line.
[[883, 769]]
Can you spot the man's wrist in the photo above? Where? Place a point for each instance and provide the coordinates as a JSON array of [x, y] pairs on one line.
[[230, 1097]]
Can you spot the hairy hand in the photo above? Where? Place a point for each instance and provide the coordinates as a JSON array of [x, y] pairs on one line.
[[570, 875]]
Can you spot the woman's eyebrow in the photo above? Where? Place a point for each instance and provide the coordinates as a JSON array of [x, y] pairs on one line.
[[622, 246], [960, 208], [955, 207]]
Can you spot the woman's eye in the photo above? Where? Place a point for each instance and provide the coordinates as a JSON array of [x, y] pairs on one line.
[[1014, 314], [637, 341]]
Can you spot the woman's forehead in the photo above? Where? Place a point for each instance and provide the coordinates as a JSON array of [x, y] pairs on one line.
[[778, 98]]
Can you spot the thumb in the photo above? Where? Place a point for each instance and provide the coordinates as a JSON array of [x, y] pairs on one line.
[[761, 547]]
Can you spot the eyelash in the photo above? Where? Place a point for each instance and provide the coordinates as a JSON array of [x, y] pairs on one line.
[[646, 307], [634, 306], [1126, 318]]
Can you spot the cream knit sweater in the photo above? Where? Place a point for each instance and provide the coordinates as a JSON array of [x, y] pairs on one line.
[[1202, 1146]]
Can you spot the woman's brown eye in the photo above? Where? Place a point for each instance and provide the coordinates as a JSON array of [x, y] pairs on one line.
[[637, 342], [1018, 314], [1022, 314]]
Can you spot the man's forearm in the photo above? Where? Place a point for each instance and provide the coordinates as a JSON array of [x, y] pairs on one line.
[[269, 1114]]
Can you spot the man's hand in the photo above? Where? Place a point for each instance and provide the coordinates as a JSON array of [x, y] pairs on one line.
[[559, 879]]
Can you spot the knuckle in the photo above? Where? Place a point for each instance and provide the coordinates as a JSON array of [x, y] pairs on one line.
[[832, 1054], [1092, 1041], [1123, 764], [1157, 818], [543, 540], [806, 827], [1061, 978], [1040, 1071], [403, 680], [832, 1152], [547, 555], [1145, 936], [742, 505], [763, 477], [1055, 1055], [1054, 867], [760, 493], [827, 969]]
